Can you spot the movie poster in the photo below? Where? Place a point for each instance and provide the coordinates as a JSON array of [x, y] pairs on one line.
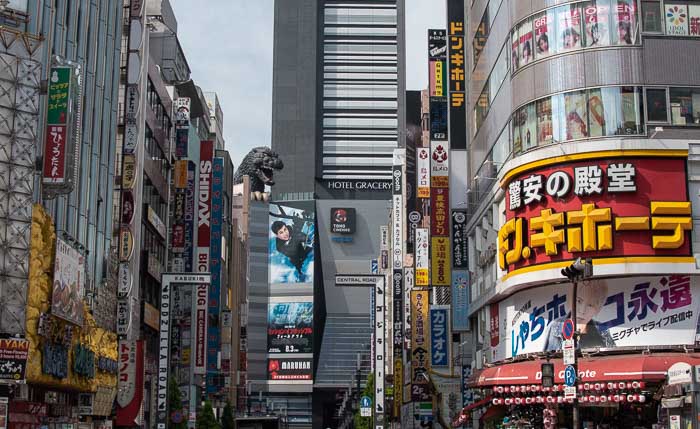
[[290, 327], [526, 53], [291, 245], [569, 28], [597, 29]]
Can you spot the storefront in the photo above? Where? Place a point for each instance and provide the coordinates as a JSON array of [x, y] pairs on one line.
[[611, 389]]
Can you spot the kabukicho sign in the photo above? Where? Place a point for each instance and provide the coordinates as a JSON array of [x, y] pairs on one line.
[[609, 207]]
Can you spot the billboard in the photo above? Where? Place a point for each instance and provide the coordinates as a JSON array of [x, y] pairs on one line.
[[599, 208], [68, 283], [14, 353], [460, 300], [189, 217], [289, 369], [290, 327], [206, 155], [291, 243], [611, 313], [440, 337], [456, 72]]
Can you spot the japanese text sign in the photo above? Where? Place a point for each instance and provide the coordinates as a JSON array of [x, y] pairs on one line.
[[422, 257], [456, 67], [420, 359], [596, 208], [440, 261], [439, 336], [621, 312]]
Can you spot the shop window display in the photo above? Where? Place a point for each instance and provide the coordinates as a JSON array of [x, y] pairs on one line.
[[685, 106]]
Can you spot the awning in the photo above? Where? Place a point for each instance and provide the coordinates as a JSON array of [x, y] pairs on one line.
[[606, 368], [464, 414]]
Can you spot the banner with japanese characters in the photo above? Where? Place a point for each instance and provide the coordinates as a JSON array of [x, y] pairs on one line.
[[439, 336], [611, 313], [598, 208], [456, 65], [420, 337]]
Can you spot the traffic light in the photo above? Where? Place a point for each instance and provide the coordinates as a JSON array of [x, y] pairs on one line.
[[580, 269]]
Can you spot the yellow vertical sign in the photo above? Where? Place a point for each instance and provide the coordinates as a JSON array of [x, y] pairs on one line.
[[420, 348]]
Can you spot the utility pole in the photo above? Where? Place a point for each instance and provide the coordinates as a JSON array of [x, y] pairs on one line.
[[578, 270]]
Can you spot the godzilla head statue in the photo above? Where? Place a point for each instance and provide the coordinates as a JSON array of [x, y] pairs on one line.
[[260, 165]]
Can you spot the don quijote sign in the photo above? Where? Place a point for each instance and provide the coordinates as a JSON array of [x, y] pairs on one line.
[[599, 208]]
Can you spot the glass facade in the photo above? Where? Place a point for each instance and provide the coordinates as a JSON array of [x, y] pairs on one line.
[[89, 34]]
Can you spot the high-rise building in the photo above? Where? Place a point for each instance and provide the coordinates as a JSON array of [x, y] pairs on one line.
[[582, 123], [337, 119]]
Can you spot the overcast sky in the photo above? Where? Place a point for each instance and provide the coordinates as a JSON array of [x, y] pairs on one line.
[[228, 45]]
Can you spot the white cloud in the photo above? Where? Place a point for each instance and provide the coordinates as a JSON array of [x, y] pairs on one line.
[[228, 45]]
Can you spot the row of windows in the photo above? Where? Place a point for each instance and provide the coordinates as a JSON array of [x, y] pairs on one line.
[[156, 105], [493, 84], [589, 24], [674, 18], [591, 113], [484, 29], [155, 153], [597, 112]]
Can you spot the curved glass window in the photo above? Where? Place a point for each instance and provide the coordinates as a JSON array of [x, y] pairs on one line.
[[595, 112], [582, 25]]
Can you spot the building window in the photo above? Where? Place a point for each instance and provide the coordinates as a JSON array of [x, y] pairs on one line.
[[597, 112], [657, 108], [685, 106], [480, 38], [590, 24], [482, 108], [651, 16]]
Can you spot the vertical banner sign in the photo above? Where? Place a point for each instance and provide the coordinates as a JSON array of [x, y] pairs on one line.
[[379, 317], [467, 395], [494, 324], [423, 169], [460, 300], [189, 217], [397, 277], [57, 122], [459, 239], [420, 352], [439, 336], [374, 269], [206, 154], [200, 328], [456, 66], [163, 356], [440, 218], [182, 125], [422, 257], [409, 280], [437, 54], [213, 329], [131, 382]]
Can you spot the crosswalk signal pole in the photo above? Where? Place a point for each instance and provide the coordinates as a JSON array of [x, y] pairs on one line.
[[579, 270]]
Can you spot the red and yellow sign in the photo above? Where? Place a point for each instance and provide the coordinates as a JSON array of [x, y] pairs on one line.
[[611, 207]]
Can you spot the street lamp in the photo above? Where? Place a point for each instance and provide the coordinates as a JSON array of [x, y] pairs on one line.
[[577, 271]]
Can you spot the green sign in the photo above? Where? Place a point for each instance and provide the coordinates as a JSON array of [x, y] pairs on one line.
[[59, 95]]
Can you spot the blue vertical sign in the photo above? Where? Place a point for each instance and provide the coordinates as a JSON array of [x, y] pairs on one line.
[[467, 394], [189, 217], [213, 328], [460, 300], [439, 336]]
